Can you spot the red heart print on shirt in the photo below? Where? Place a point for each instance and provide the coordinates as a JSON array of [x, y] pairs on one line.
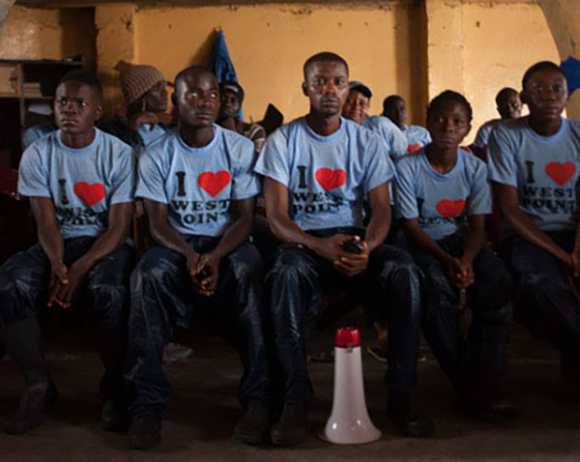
[[330, 179], [449, 208], [560, 172], [413, 147], [213, 183], [90, 194]]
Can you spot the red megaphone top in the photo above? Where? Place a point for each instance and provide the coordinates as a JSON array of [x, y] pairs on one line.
[[347, 337]]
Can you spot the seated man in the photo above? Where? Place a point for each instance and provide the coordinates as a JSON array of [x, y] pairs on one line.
[[509, 106], [232, 96], [80, 183], [534, 164], [145, 98], [199, 192], [357, 102], [395, 109], [318, 170], [438, 188]]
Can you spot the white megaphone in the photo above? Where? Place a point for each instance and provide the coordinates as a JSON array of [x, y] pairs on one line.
[[349, 421]]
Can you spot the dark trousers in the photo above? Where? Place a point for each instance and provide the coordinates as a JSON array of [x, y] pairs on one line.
[[546, 302], [162, 298], [24, 280], [484, 351], [390, 285]]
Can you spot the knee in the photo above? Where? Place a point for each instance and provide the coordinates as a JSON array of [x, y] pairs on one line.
[[246, 263], [398, 264], [289, 266]]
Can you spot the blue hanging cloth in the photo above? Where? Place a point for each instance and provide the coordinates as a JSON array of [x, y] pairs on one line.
[[221, 64], [571, 68]]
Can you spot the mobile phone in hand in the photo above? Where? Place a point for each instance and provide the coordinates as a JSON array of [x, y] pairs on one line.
[[353, 246]]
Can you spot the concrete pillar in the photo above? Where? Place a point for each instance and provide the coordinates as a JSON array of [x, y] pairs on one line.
[[563, 17], [444, 46], [115, 41]]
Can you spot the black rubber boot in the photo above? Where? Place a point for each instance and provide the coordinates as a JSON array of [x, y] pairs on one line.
[[145, 433], [112, 391], [23, 342], [254, 426], [403, 411], [290, 429]]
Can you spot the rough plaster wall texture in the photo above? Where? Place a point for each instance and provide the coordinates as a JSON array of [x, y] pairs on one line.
[[32, 33], [269, 44], [5, 6], [500, 43], [564, 20], [115, 25]]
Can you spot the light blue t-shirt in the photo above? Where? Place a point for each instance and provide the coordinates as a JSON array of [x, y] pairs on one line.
[[417, 137], [482, 137], [441, 201], [36, 132], [544, 169], [393, 138], [149, 136], [198, 184], [328, 177], [82, 183]]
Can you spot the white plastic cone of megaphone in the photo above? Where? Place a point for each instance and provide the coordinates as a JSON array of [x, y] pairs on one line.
[[349, 421]]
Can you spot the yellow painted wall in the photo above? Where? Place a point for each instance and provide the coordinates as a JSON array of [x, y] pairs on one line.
[[269, 44], [500, 43], [31, 33]]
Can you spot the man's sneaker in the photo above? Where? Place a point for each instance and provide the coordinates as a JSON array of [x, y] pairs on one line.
[[290, 429], [254, 426], [404, 413], [145, 433], [35, 401]]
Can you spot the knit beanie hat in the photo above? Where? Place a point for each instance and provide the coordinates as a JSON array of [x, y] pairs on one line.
[[137, 79]]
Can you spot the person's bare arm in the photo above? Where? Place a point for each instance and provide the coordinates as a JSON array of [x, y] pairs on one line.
[[276, 197], [236, 234], [166, 236], [454, 268], [380, 222], [50, 241], [376, 232], [119, 223], [521, 224]]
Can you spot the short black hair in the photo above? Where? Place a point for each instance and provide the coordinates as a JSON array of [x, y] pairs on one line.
[[392, 99], [82, 76], [189, 69], [504, 94], [538, 67], [323, 56], [450, 95]]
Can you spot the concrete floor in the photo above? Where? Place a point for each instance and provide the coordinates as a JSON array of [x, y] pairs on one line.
[[204, 409]]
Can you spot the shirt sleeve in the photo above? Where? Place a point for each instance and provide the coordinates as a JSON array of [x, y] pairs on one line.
[[245, 182], [33, 177], [273, 160], [405, 192], [482, 136], [501, 160], [479, 201], [393, 138], [399, 143], [124, 179], [379, 167], [151, 184]]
